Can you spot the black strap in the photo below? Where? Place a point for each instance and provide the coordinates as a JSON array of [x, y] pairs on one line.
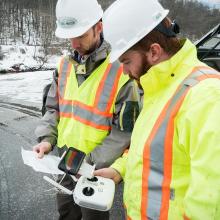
[[171, 31]]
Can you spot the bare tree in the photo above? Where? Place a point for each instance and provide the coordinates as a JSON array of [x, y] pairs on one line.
[[33, 22]]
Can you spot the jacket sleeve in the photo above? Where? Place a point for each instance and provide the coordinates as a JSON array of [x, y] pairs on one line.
[[47, 127], [127, 107], [200, 135], [120, 164]]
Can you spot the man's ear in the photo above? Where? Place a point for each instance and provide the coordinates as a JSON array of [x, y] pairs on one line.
[[99, 27], [155, 53]]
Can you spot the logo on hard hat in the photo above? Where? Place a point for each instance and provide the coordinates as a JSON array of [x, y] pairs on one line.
[[157, 16], [66, 22]]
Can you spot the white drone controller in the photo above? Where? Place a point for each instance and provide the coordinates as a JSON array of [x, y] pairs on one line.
[[90, 192], [95, 193]]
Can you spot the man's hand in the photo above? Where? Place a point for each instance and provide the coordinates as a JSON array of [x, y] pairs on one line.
[[109, 173], [42, 148]]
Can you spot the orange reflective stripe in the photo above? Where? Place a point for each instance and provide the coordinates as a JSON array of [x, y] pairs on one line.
[[91, 109], [61, 66], [168, 159], [67, 75], [198, 68], [101, 85], [146, 162], [63, 73], [60, 73], [86, 107], [84, 121], [200, 78], [114, 89]]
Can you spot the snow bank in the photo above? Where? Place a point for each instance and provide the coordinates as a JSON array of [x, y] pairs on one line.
[[26, 86], [16, 58]]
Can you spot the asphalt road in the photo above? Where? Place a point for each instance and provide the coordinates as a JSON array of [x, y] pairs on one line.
[[24, 195]]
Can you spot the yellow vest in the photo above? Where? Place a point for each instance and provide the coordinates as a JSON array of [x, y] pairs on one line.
[[86, 111]]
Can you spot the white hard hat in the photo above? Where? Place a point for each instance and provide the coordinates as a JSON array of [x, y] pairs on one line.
[[126, 22], [75, 17]]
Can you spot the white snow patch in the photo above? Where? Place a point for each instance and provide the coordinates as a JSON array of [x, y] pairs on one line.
[[25, 86], [24, 56]]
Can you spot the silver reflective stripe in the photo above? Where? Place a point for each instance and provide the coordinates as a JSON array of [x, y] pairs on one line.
[[75, 110], [191, 81], [107, 88], [63, 76], [156, 174], [205, 71]]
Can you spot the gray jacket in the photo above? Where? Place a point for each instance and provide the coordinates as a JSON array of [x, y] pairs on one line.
[[127, 107]]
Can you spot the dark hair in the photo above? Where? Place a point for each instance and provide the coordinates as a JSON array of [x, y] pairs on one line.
[[171, 45]]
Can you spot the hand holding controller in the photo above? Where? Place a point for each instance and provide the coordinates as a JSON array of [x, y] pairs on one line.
[[95, 193], [90, 192]]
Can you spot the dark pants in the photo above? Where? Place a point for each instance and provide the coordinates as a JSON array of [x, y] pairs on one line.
[[69, 210]]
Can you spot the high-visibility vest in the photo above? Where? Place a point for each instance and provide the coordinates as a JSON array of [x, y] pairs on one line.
[[86, 111], [156, 190]]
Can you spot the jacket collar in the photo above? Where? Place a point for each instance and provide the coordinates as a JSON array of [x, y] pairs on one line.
[[99, 54], [93, 60], [163, 74]]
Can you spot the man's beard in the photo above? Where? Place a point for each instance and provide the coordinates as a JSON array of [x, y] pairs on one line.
[[84, 52], [144, 67], [91, 49]]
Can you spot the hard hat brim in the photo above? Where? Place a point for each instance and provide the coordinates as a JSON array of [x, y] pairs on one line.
[[71, 32]]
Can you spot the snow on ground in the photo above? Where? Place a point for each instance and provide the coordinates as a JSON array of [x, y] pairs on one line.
[[23, 56], [26, 86]]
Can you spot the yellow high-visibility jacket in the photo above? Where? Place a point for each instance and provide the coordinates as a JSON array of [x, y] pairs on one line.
[[172, 169]]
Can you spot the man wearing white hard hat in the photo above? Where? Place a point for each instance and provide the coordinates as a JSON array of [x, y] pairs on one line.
[[172, 169], [91, 105]]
